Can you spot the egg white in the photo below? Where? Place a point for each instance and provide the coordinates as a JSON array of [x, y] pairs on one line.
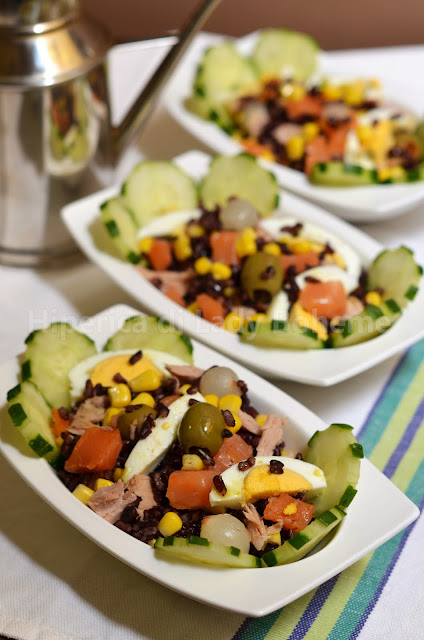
[[79, 375], [165, 224], [234, 480]]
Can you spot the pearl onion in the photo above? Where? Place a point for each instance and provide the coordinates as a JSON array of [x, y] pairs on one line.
[[219, 381], [227, 530], [238, 214]]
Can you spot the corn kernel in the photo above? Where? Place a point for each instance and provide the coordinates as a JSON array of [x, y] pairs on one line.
[[373, 297], [119, 395], [101, 482], [310, 131], [145, 244], [212, 399], [195, 231], [266, 154], [221, 271], [298, 92], [261, 419], [182, 248], [193, 307], [331, 92], [192, 462], [148, 380], [295, 148], [233, 322], [237, 423], [59, 441], [183, 389], [300, 245], [170, 524], [112, 411], [245, 246], [144, 398], [337, 259], [375, 83], [83, 493], [272, 248], [353, 94], [202, 266], [291, 509], [230, 402], [117, 474], [228, 292], [258, 317], [275, 537]]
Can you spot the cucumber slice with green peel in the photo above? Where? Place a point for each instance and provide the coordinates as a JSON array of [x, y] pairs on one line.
[[50, 355], [223, 75], [370, 323], [121, 228], [148, 332], [243, 177], [301, 543], [282, 52], [396, 273], [337, 453], [154, 187], [31, 414], [279, 334], [196, 549], [339, 174]]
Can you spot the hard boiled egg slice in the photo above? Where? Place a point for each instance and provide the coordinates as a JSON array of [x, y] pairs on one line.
[[103, 366], [304, 477], [148, 452], [168, 223]]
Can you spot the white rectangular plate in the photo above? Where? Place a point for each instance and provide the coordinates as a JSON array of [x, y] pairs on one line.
[[253, 592], [321, 367], [398, 68]]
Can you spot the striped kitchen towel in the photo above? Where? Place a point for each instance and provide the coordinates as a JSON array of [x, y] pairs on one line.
[[345, 607]]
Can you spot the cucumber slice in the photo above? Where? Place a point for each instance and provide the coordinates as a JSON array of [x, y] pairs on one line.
[[282, 52], [223, 75], [370, 323], [50, 355], [121, 228], [31, 414], [196, 549], [303, 542], [240, 176], [155, 187], [148, 332], [279, 334], [337, 453], [396, 273], [339, 174]]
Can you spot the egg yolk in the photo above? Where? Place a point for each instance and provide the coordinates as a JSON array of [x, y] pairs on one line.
[[105, 370], [260, 483]]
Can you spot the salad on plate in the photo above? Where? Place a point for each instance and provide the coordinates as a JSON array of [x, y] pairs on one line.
[[340, 131], [223, 251], [177, 456]]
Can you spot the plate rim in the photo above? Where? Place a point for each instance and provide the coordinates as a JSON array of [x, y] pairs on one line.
[[90, 524]]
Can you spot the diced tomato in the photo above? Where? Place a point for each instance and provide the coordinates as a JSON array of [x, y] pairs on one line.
[[300, 261], [223, 245], [189, 489], [327, 299], [59, 424], [96, 450], [295, 522], [174, 294], [316, 151], [309, 105], [232, 451], [211, 309], [160, 255]]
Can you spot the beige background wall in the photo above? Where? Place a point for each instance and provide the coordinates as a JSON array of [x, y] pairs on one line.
[[335, 23]]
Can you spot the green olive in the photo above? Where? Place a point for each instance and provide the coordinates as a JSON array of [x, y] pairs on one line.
[[202, 426], [125, 420], [262, 272]]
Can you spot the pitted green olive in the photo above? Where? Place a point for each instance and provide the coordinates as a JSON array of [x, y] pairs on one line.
[[262, 272], [202, 426], [125, 420]]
